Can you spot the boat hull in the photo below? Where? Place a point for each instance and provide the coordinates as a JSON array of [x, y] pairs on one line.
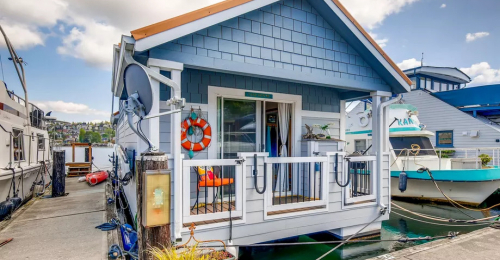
[[24, 181], [471, 193]]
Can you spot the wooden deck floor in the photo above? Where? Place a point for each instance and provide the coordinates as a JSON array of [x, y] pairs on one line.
[[213, 208], [291, 199]]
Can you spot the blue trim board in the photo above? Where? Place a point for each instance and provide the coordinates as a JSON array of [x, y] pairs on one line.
[[479, 175], [482, 95]]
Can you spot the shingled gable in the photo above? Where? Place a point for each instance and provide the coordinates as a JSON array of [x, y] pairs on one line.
[[374, 64]]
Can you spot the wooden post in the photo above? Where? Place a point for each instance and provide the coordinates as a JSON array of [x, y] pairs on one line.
[[153, 236], [58, 174], [87, 159]]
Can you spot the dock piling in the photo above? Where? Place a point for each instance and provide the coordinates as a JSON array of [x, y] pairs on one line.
[[58, 174]]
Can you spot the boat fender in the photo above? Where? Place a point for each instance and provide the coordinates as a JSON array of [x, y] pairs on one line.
[[403, 181], [129, 237], [6, 209]]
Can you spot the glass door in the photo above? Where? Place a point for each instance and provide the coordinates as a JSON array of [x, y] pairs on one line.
[[238, 127]]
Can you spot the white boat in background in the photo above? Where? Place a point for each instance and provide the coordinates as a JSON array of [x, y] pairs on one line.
[[26, 158], [462, 177]]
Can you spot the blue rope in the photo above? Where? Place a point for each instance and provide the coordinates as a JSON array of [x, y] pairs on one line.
[[112, 224]]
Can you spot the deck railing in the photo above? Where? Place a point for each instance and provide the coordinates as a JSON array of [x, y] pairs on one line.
[[295, 182], [212, 189], [359, 173]]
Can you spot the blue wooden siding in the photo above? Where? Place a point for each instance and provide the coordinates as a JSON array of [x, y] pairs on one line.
[[288, 35], [194, 88]]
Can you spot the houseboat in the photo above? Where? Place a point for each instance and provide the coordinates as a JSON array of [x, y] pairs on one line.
[[26, 158], [256, 92], [464, 179]]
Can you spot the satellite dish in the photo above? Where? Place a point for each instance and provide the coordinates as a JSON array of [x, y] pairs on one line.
[[136, 80]]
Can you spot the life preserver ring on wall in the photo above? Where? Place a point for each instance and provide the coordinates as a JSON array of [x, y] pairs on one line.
[[207, 134], [363, 120]]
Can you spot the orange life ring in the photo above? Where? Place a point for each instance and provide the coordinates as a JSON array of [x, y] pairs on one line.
[[207, 134]]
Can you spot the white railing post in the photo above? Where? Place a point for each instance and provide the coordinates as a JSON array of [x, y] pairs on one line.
[[440, 158], [476, 159]]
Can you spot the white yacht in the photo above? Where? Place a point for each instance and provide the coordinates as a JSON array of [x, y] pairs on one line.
[[25, 160]]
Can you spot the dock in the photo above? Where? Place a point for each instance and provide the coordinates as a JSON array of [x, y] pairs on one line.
[[59, 228], [479, 244]]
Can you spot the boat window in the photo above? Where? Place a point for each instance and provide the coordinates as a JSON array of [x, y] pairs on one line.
[[41, 142], [444, 138], [18, 144], [400, 143], [360, 145]]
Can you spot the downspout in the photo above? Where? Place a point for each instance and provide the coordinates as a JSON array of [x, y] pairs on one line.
[[380, 147]]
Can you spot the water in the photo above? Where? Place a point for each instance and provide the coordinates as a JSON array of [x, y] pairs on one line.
[[100, 154], [394, 228]]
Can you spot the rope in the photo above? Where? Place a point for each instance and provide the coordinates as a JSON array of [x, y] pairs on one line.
[[382, 212], [443, 219], [447, 225], [402, 240]]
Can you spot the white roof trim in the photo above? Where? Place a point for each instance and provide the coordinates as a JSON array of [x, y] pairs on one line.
[[368, 44]]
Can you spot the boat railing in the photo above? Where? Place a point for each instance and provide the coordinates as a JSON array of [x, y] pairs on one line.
[[37, 151], [471, 156], [36, 115]]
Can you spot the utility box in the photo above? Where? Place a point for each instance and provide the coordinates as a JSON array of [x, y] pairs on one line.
[[465, 163], [156, 198]]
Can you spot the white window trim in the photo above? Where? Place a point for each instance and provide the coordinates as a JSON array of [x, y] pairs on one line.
[[215, 92], [22, 138]]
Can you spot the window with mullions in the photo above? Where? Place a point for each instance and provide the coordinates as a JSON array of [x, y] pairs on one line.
[[41, 142], [18, 144], [406, 142], [444, 138]]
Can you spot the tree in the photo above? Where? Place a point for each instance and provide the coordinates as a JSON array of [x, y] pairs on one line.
[[82, 135], [110, 132], [96, 137]]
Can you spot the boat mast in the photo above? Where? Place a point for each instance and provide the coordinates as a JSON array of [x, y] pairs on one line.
[[18, 64]]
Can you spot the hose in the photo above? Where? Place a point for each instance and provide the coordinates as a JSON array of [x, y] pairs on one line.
[[337, 172], [255, 172]]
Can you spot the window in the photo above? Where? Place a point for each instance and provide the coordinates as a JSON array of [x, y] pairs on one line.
[[359, 145], [41, 142], [422, 83], [400, 143], [436, 86], [428, 84], [413, 83], [18, 143], [444, 138]]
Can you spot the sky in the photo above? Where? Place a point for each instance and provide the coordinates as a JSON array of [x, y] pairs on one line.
[[67, 44]]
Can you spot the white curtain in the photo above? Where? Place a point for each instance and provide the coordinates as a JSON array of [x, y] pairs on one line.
[[284, 111]]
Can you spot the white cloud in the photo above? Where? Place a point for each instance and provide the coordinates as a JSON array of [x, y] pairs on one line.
[[70, 108], [381, 42], [21, 35], [443, 6], [474, 36], [482, 74], [372, 13], [88, 28], [409, 63]]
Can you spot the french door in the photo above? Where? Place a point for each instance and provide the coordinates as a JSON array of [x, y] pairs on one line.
[[239, 126]]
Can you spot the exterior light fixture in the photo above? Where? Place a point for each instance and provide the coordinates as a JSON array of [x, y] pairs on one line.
[[156, 198]]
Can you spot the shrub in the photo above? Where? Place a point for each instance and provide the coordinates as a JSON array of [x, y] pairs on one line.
[[485, 159]]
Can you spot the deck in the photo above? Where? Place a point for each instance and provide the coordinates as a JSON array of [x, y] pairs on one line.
[[59, 228], [479, 244]]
